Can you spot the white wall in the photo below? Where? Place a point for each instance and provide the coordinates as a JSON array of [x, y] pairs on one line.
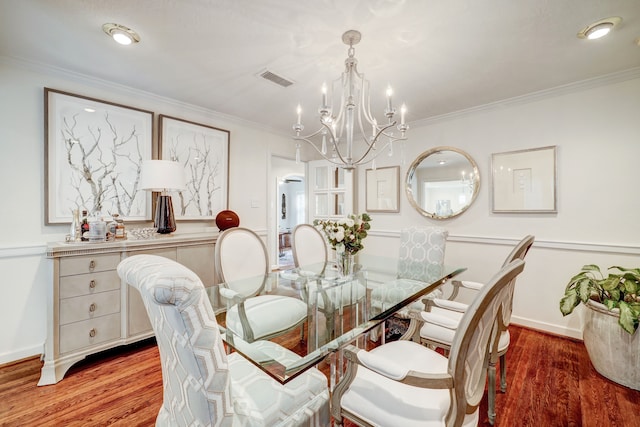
[[597, 132], [595, 128]]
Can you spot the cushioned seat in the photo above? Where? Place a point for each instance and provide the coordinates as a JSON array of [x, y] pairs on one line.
[[395, 404], [268, 315]]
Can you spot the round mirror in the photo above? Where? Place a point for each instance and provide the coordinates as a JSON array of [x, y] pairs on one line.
[[442, 182]]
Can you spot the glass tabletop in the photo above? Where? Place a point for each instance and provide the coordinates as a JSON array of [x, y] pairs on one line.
[[339, 310]]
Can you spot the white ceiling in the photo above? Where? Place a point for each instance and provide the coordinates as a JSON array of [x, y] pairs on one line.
[[440, 56]]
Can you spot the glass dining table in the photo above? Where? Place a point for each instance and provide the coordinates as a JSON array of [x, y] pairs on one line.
[[341, 311]]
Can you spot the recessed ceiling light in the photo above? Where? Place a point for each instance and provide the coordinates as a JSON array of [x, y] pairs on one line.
[[600, 28], [121, 34]]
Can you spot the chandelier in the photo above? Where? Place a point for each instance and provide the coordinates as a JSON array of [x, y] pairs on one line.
[[334, 139]]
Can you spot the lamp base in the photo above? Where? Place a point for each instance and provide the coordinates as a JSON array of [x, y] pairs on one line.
[[164, 220]]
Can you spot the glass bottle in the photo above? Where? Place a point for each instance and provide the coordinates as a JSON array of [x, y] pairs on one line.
[[111, 229], [120, 233], [84, 226], [75, 232]]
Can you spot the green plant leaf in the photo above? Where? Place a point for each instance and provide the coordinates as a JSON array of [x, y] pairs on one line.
[[631, 284], [591, 267], [612, 282], [615, 295], [584, 289], [628, 321], [568, 303]]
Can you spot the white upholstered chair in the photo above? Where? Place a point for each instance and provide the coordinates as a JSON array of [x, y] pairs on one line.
[[203, 386], [403, 383], [242, 264], [443, 316], [420, 259], [310, 255]]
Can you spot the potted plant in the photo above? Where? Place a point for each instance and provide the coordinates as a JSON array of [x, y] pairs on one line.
[[611, 320]]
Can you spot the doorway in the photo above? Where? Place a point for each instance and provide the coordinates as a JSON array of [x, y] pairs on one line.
[[292, 200], [289, 207]]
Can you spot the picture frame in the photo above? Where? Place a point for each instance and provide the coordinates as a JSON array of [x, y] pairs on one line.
[[204, 152], [93, 154], [524, 181], [383, 189]]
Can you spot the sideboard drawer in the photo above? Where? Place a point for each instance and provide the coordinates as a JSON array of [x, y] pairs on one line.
[[88, 264], [79, 335], [89, 306], [85, 284]]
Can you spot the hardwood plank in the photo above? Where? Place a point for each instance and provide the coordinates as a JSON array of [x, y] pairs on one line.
[[550, 383]]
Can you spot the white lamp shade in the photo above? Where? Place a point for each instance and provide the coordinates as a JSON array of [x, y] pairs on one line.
[[161, 175]]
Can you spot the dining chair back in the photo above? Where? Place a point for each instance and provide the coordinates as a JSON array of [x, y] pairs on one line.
[[241, 261], [421, 252], [309, 249], [202, 385]]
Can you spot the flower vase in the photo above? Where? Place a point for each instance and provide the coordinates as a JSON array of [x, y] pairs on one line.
[[345, 263]]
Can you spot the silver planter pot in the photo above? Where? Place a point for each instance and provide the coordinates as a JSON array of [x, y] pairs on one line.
[[614, 353]]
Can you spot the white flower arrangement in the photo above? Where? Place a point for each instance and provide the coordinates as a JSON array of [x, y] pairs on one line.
[[345, 234]]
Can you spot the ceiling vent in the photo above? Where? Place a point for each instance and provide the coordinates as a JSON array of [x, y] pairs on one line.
[[274, 78]]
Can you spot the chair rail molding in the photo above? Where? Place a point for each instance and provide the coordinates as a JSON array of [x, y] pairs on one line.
[[547, 244], [23, 250]]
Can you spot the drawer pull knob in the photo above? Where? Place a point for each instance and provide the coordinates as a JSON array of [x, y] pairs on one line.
[[92, 265], [92, 307], [92, 284], [92, 332]]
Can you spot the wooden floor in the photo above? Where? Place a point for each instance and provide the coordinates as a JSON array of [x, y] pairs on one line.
[[551, 383]]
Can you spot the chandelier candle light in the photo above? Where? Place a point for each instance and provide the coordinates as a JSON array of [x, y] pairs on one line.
[[354, 111]]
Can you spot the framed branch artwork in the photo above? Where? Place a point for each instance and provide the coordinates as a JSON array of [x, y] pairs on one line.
[[93, 153], [524, 181], [204, 152], [383, 189]]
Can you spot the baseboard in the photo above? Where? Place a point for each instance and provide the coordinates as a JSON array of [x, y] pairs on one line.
[[547, 327], [20, 354]]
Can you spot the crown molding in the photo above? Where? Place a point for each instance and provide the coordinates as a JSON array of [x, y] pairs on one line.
[[51, 70], [622, 76]]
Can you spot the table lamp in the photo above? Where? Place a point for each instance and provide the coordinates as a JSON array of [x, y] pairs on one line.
[[163, 176]]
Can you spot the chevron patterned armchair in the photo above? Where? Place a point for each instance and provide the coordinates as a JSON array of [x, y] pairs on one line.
[[204, 386]]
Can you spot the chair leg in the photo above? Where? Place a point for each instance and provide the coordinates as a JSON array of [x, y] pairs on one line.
[[503, 373], [491, 394]]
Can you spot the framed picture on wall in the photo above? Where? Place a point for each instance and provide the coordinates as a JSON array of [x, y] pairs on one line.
[[93, 153], [204, 153], [524, 181], [383, 189]]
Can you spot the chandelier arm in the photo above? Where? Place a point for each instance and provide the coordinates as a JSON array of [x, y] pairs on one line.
[[311, 143], [311, 135], [373, 144], [366, 101]]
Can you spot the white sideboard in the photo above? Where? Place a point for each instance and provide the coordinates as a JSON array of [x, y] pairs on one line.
[[90, 309]]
